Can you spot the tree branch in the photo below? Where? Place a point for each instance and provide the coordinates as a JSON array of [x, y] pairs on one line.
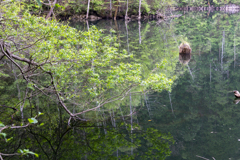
[[14, 127], [107, 101], [13, 62]]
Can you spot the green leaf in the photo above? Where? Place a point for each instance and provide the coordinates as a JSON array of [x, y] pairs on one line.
[[30, 85], [26, 151], [41, 124], [9, 139], [39, 3], [32, 120], [4, 135], [39, 113], [1, 124]]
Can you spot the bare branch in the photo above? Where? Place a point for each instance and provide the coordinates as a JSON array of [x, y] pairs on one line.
[[30, 44], [2, 56], [21, 59], [14, 154], [14, 127], [107, 101], [51, 10], [58, 96], [13, 62]]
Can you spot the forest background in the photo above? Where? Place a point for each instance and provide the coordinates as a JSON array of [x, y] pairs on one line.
[[116, 8]]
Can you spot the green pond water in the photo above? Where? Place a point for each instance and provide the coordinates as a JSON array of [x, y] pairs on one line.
[[200, 113], [198, 119]]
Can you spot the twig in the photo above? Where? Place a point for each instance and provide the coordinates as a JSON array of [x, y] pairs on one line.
[[14, 154], [202, 157], [14, 127], [13, 62], [107, 101], [30, 44], [58, 96]]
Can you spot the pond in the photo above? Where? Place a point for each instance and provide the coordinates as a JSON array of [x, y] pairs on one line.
[[198, 119], [201, 112]]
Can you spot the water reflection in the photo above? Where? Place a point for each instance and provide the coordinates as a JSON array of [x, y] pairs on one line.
[[184, 58], [236, 100], [198, 113]]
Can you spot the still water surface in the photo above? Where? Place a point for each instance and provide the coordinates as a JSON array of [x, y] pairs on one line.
[[198, 119], [200, 113]]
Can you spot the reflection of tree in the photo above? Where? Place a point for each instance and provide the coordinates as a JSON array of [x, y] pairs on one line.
[[104, 139], [206, 119]]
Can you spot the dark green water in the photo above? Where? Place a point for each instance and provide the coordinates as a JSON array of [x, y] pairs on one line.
[[200, 113], [198, 119]]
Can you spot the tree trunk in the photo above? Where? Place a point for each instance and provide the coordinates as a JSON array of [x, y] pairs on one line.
[[52, 5], [139, 30], [127, 36], [139, 12], [130, 99], [88, 9], [110, 8], [234, 51], [126, 15], [115, 16], [87, 25]]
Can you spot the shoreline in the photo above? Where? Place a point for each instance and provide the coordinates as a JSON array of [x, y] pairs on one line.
[[230, 8]]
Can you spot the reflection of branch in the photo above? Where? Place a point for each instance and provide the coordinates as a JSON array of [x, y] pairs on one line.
[[15, 127], [62, 138], [34, 134], [41, 146], [107, 101], [14, 154], [171, 103], [202, 157]]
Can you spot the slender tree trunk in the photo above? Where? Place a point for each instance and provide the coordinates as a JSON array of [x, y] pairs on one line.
[[171, 104], [234, 51], [115, 16], [87, 25], [190, 72], [88, 9], [52, 5], [126, 15], [127, 37], [223, 42], [139, 11], [210, 73], [118, 35], [110, 8], [130, 99], [139, 29]]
